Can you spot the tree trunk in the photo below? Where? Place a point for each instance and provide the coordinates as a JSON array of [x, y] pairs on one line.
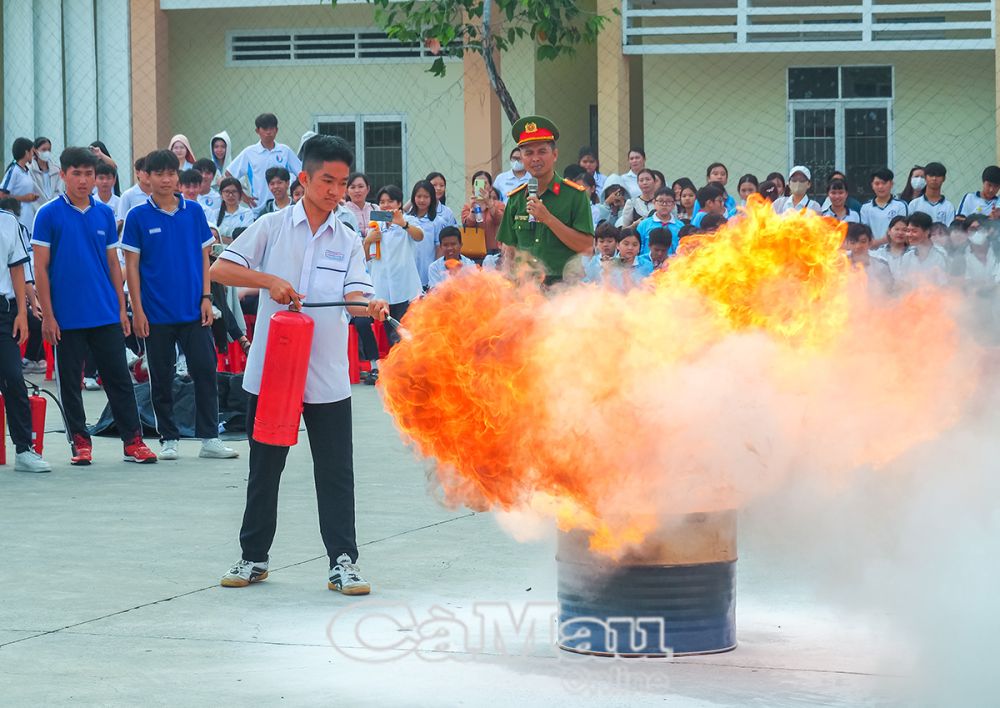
[[499, 87]]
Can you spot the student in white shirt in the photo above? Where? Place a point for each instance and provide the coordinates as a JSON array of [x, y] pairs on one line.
[[17, 182], [587, 159], [423, 210], [748, 184], [923, 263], [977, 263], [278, 181], [878, 213], [799, 182], [932, 201], [857, 242], [984, 201], [305, 253], [45, 171], [135, 195], [189, 183], [451, 261], [836, 195], [105, 180], [630, 180], [639, 207], [255, 160], [445, 214], [513, 178], [181, 147], [893, 250], [220, 154], [208, 197], [392, 257], [232, 213]]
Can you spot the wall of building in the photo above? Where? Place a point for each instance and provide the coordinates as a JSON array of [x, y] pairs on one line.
[[565, 89], [208, 96], [733, 108]]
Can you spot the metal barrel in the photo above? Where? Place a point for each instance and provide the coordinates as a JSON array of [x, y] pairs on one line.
[[675, 595]]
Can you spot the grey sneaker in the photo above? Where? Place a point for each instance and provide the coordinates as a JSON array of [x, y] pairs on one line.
[[91, 384], [168, 450], [31, 461], [244, 573], [215, 448], [34, 367], [345, 577]]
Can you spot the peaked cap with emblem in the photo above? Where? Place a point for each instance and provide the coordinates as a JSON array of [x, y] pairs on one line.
[[532, 129]]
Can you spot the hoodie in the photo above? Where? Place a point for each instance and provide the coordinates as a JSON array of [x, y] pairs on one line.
[[189, 160], [48, 183], [223, 165]]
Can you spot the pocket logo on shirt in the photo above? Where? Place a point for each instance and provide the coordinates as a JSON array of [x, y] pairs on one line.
[[154, 230], [101, 233], [334, 255]]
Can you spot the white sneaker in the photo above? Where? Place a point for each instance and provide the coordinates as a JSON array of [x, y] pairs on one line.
[[182, 368], [31, 461], [345, 577], [168, 450], [33, 367], [243, 573], [215, 448], [91, 384]]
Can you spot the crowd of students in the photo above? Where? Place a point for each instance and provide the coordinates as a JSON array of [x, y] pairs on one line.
[[411, 242]]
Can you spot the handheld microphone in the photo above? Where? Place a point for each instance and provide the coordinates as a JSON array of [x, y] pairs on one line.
[[532, 192]]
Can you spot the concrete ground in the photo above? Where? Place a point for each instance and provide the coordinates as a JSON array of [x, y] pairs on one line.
[[109, 595]]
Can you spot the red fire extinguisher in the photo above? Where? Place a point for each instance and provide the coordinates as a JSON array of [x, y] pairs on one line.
[[37, 421], [283, 381]]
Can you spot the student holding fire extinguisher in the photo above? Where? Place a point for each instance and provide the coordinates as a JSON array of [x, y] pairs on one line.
[[305, 253], [14, 333]]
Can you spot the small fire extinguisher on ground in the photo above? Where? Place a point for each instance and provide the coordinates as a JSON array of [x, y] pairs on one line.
[[37, 403]]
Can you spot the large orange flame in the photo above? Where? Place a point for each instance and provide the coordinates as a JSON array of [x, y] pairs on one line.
[[757, 356]]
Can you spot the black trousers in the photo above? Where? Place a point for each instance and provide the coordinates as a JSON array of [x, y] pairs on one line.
[[331, 444], [15, 393], [396, 311], [161, 356], [34, 349], [367, 344], [107, 345]]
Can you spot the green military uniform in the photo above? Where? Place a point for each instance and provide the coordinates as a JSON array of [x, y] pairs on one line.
[[566, 201]]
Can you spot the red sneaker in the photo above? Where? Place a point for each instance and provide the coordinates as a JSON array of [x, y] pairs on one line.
[[136, 451], [84, 451]]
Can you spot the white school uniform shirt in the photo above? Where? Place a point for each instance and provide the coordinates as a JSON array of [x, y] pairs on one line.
[[507, 182], [851, 217], [426, 250], [13, 249], [438, 271], [877, 218], [242, 217], [395, 275], [325, 266], [210, 201], [629, 180], [893, 260], [17, 182], [932, 269], [131, 197], [941, 211], [112, 202], [256, 160], [973, 203], [785, 204], [977, 272]]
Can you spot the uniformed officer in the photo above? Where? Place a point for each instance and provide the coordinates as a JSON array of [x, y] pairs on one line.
[[556, 224]]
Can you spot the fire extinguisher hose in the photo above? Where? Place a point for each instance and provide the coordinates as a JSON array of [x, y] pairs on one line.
[[391, 320]]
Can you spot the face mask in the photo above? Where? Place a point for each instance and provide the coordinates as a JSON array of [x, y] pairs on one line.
[[918, 183], [977, 238], [45, 155], [516, 165], [798, 188]]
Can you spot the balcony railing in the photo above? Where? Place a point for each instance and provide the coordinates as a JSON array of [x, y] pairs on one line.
[[713, 26]]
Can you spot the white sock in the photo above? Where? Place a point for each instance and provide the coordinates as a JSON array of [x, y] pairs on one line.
[[374, 364]]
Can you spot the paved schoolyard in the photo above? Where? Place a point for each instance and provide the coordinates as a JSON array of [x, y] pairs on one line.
[[109, 596]]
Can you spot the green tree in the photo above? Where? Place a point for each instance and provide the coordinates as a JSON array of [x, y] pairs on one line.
[[450, 28]]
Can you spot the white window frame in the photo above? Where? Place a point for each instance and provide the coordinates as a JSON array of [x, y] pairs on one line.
[[839, 105], [359, 120]]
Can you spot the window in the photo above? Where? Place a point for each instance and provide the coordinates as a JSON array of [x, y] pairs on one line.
[[331, 46], [379, 144], [840, 118]]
